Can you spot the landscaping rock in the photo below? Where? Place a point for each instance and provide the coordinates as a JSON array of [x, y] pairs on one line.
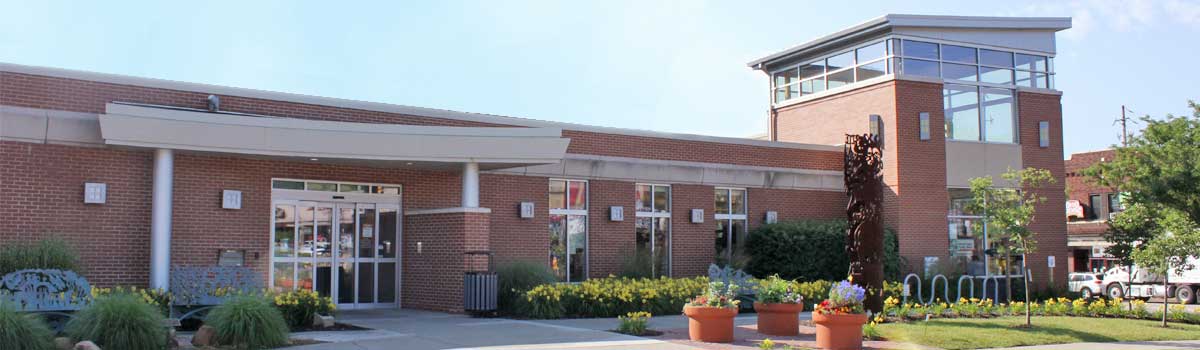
[[322, 321], [205, 336], [86, 345], [63, 343]]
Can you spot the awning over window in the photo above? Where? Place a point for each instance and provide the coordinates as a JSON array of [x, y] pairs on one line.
[[380, 144]]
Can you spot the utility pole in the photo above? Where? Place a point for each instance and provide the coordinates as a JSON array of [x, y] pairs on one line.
[[1124, 130]]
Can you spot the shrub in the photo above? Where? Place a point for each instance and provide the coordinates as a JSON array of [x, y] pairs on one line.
[[810, 250], [516, 278], [299, 306], [120, 321], [23, 331], [49, 253], [775, 290], [633, 323], [248, 321], [814, 291], [611, 296]]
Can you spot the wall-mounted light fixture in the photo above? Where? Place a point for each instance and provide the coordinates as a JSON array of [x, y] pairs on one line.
[[95, 193], [771, 217], [526, 210], [231, 199], [616, 213], [924, 124], [876, 127], [1044, 134], [697, 216]]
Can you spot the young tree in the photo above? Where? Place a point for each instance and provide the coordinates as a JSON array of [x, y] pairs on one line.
[[1126, 231], [1168, 249], [1008, 210]]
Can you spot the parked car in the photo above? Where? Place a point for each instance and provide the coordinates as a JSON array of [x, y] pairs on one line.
[[1087, 284]]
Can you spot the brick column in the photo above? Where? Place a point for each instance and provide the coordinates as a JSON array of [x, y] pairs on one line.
[[432, 275]]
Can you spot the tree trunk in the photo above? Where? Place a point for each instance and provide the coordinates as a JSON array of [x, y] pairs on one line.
[[1007, 276], [1125, 294], [1166, 299], [1025, 277]]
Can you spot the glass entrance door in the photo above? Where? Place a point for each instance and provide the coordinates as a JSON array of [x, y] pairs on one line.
[[346, 251]]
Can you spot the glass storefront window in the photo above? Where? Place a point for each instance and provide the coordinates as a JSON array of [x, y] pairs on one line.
[[652, 228], [731, 226], [962, 112], [568, 229]]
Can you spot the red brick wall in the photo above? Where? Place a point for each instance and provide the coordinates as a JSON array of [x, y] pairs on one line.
[[514, 238], [432, 278], [920, 172], [610, 242], [1049, 224], [1079, 187], [692, 245], [41, 195], [24, 90], [792, 205]]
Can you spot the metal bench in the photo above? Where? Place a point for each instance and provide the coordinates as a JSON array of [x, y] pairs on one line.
[[196, 290], [54, 293]]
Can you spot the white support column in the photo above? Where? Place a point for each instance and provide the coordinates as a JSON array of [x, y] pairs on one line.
[[470, 185], [160, 219]]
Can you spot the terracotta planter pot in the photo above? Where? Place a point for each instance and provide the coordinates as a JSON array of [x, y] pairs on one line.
[[839, 332], [778, 319], [710, 324]]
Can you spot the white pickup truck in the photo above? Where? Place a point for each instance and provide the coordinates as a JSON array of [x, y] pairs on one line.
[[1181, 287]]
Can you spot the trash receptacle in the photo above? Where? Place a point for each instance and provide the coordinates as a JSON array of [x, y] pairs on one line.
[[480, 287]]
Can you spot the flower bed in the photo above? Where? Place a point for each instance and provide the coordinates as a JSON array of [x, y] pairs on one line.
[[610, 297], [985, 308]]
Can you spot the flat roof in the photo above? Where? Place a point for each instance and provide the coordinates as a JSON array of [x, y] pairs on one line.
[[389, 108], [925, 21]]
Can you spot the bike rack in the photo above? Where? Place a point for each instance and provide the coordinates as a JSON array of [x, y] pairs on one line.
[[960, 281], [932, 288]]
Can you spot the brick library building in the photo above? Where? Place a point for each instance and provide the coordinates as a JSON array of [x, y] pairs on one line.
[[383, 206]]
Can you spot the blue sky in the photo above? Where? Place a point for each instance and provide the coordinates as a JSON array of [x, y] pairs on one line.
[[659, 65]]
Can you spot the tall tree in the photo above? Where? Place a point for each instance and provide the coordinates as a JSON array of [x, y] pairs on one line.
[[1159, 169], [1007, 211]]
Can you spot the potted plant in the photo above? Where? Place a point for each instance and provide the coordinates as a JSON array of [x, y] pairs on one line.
[[840, 318], [778, 306], [710, 316]]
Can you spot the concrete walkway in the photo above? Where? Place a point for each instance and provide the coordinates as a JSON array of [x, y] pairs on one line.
[[421, 330]]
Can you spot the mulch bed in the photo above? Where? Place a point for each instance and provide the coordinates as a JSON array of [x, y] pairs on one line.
[[337, 326]]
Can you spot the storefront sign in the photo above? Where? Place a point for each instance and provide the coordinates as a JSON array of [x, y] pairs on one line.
[[1074, 209], [962, 247]]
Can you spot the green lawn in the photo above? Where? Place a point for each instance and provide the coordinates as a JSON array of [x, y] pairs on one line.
[[1000, 332]]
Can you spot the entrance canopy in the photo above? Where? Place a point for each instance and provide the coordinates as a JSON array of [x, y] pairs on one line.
[[329, 141]]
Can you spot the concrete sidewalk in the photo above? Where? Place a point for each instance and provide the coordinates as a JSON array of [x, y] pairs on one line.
[[421, 330]]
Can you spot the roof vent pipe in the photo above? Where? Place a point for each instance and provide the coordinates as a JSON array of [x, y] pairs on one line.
[[214, 103]]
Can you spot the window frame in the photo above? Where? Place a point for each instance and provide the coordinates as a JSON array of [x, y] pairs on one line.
[[654, 214], [855, 64], [568, 212], [980, 115], [731, 217], [1048, 59]]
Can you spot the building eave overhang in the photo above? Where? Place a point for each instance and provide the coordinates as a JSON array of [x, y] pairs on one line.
[[132, 125], [925, 21]]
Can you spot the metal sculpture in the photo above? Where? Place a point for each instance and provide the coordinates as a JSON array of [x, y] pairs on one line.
[[197, 289], [45, 291], [864, 213]]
